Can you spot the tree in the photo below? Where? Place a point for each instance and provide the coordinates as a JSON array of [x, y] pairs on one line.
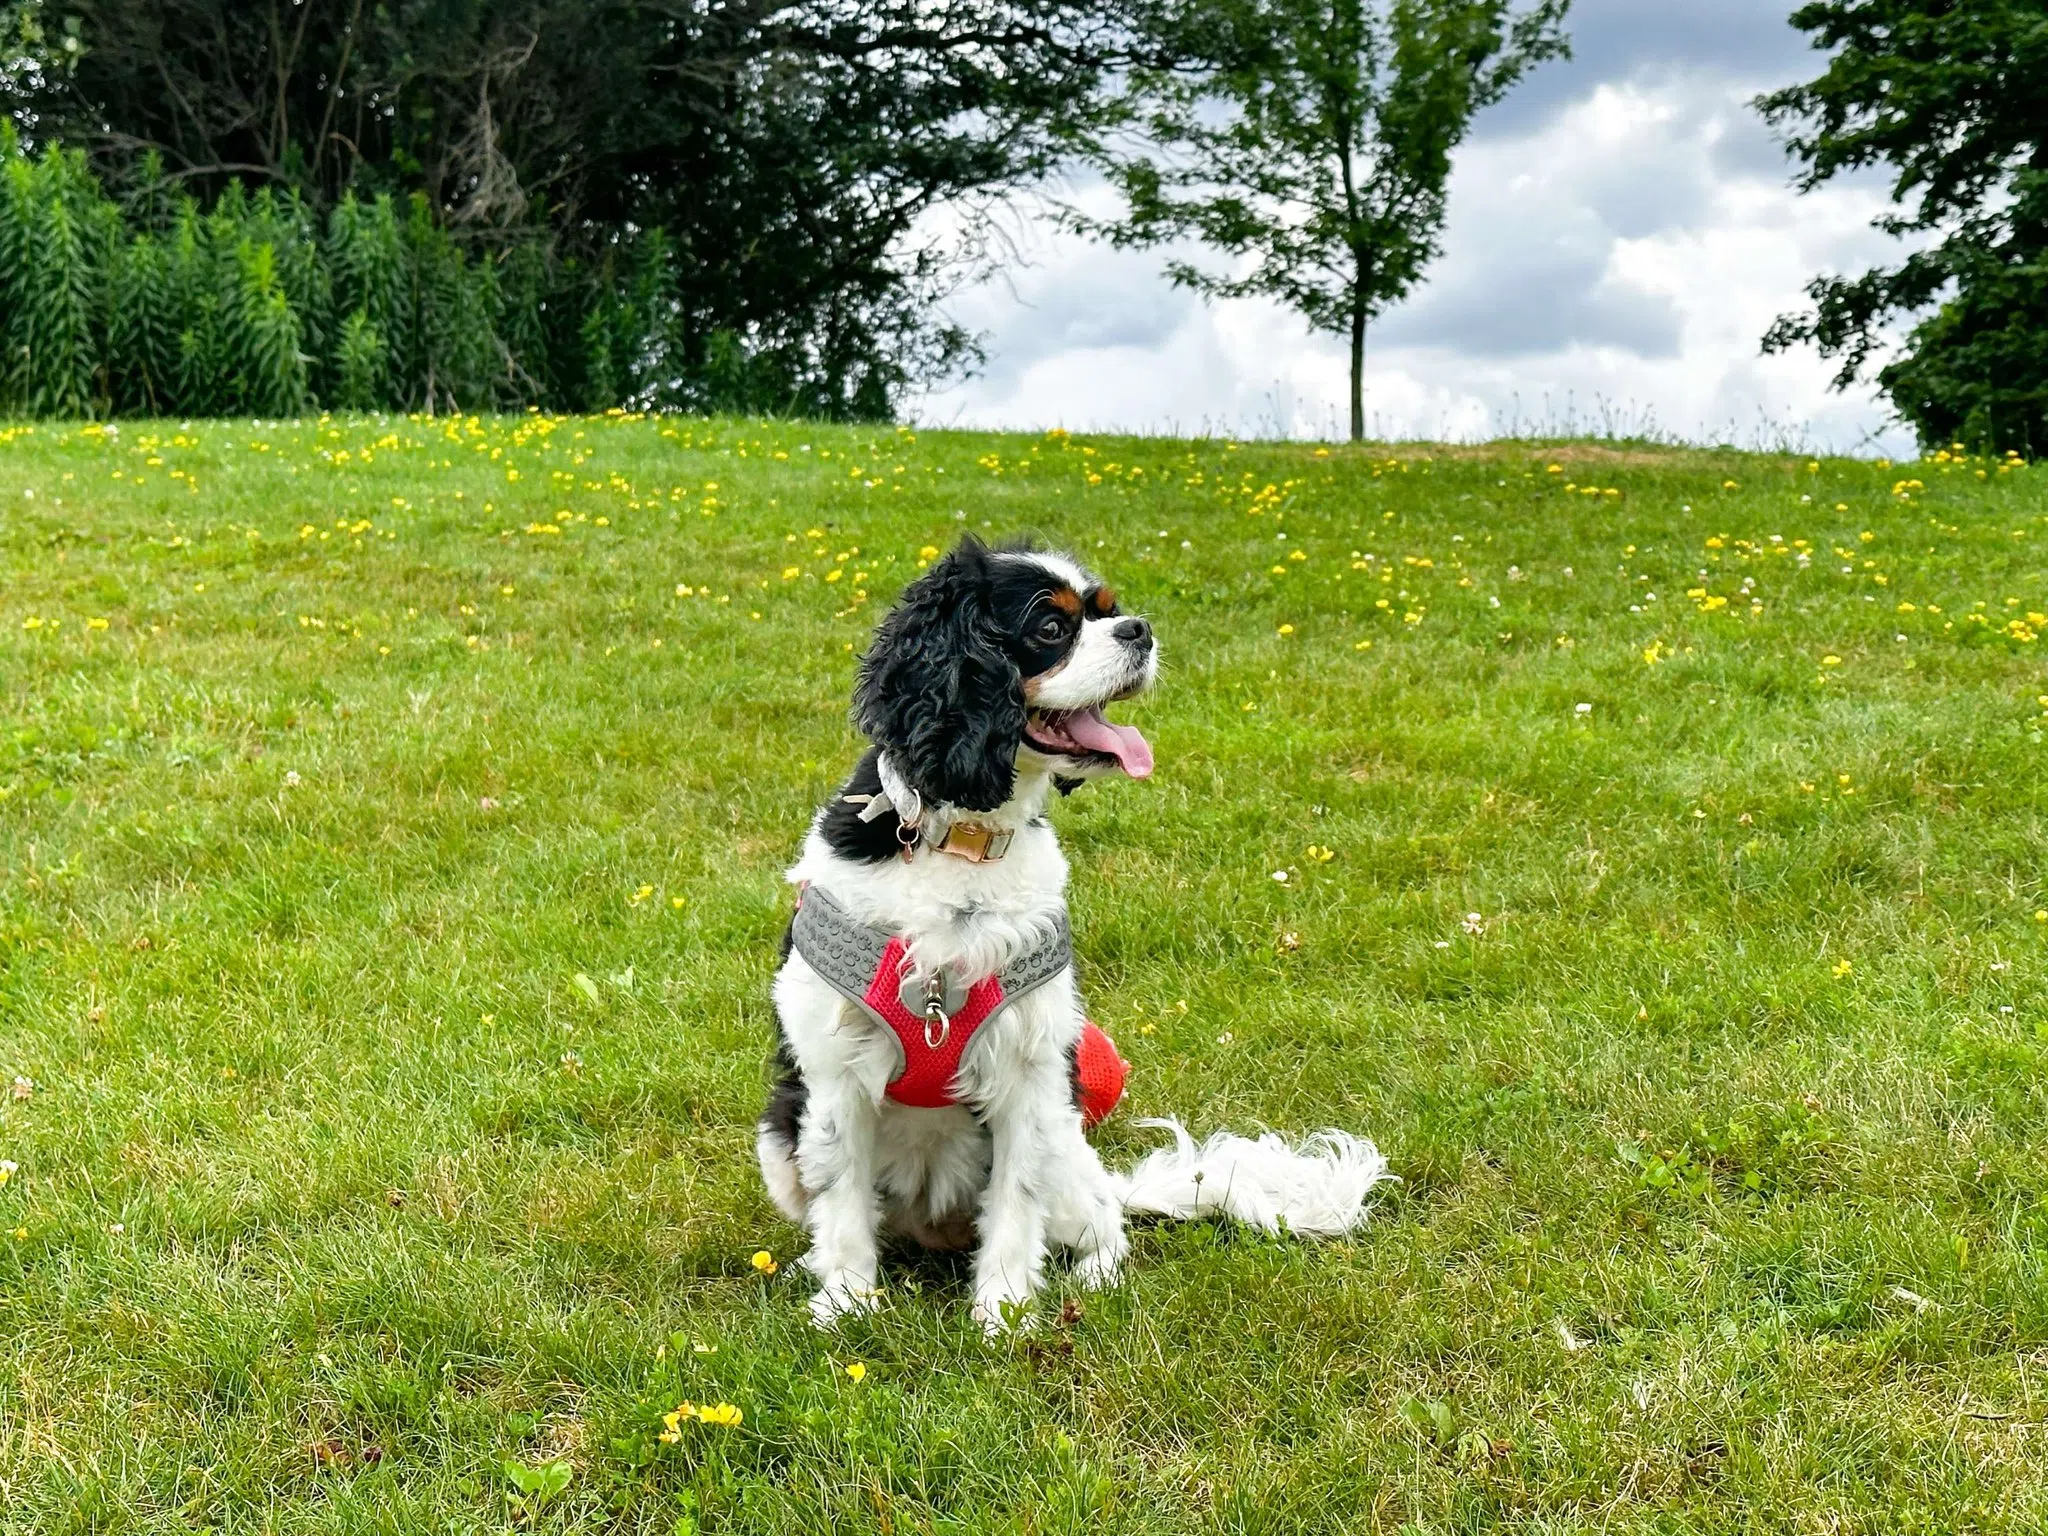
[[32, 55], [1952, 95], [789, 150], [1314, 137]]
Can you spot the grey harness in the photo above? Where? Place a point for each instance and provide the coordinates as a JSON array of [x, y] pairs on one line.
[[932, 1017]]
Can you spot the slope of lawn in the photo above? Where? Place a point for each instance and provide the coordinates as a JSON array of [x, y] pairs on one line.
[[1644, 846]]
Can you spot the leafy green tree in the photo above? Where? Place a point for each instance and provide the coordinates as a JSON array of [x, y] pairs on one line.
[[36, 50], [1312, 139], [1952, 97]]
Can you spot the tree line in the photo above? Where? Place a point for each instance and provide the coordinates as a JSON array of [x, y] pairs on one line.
[[759, 205], [656, 202]]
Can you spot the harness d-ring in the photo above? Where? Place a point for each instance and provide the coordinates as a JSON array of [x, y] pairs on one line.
[[938, 1024]]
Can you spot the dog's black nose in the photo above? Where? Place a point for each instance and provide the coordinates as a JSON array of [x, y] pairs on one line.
[[1135, 633]]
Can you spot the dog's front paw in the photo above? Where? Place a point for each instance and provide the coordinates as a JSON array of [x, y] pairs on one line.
[[840, 1299], [1098, 1270]]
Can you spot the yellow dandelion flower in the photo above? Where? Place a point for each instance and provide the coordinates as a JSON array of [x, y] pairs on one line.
[[725, 1415], [1843, 968], [764, 1261], [1286, 629], [856, 1371]]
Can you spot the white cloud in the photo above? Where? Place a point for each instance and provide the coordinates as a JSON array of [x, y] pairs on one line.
[[1614, 261]]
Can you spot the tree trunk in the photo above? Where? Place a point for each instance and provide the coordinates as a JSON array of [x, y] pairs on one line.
[[1358, 373]]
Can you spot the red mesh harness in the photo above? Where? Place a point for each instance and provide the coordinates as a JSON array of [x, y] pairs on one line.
[[928, 1071], [869, 967]]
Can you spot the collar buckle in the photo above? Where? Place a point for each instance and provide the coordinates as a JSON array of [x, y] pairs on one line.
[[975, 841]]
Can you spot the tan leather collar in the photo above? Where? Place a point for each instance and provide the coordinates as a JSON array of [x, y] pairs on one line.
[[975, 841]]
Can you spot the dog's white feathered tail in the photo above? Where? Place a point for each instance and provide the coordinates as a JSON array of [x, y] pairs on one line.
[[1315, 1189]]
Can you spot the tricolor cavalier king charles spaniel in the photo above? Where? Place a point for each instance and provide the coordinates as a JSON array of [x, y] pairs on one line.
[[932, 1035]]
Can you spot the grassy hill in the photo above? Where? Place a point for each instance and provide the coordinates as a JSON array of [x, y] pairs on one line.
[[1645, 847]]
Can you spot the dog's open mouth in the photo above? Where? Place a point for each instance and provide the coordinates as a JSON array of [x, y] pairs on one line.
[[1085, 733]]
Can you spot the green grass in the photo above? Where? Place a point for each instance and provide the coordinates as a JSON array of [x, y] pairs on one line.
[[389, 888]]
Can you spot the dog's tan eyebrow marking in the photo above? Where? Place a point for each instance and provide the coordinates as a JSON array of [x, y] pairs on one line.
[[1102, 601], [1065, 599]]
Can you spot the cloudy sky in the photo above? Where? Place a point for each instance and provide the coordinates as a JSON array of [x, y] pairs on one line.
[[1622, 232]]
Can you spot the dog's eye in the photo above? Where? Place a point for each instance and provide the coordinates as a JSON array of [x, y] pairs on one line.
[[1052, 629]]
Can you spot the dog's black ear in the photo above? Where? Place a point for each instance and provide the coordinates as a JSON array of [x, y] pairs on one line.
[[939, 693]]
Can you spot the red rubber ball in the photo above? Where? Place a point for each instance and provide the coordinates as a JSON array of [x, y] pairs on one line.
[[1100, 1073]]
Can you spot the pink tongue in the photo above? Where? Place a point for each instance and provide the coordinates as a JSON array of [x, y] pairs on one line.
[[1087, 728]]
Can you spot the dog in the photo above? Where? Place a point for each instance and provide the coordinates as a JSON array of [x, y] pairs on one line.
[[931, 1030]]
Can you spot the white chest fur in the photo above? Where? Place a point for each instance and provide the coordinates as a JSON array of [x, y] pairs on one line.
[[951, 911]]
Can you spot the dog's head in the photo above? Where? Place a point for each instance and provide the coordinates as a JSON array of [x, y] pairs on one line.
[[996, 657]]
